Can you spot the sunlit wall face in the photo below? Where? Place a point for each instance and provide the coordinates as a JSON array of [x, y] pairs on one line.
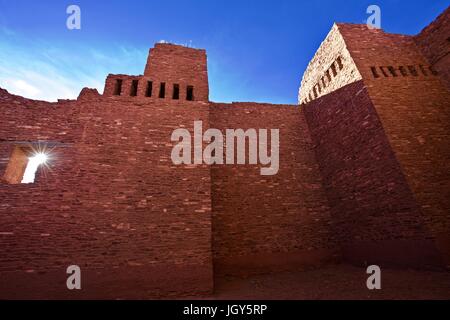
[[32, 166]]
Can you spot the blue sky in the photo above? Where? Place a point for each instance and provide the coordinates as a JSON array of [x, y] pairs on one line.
[[257, 50]]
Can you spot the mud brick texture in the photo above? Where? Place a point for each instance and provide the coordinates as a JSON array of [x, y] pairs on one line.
[[374, 212], [280, 220], [363, 177], [434, 43]]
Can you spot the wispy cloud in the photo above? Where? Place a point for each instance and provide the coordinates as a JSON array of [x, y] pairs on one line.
[[38, 70]]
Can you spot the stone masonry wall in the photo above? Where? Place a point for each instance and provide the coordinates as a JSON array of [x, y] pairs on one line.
[[412, 103], [434, 43], [364, 174], [373, 210], [267, 223], [112, 203], [331, 68]]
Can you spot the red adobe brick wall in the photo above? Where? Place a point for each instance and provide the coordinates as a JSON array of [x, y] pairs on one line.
[[178, 64], [413, 110], [172, 65], [373, 210], [267, 223], [434, 43], [113, 203]]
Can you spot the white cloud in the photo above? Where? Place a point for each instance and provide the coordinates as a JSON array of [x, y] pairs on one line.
[[37, 70], [22, 88]]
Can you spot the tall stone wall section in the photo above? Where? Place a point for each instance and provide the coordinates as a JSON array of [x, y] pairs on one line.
[[434, 43], [374, 212], [267, 223], [112, 201], [412, 102]]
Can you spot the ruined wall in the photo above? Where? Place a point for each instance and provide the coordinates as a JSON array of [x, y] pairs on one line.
[[267, 223], [434, 43], [364, 172], [412, 104], [374, 213], [331, 68], [112, 203]]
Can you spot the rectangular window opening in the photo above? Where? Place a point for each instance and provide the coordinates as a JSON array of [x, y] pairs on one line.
[[24, 164], [413, 71], [328, 75], [424, 72], [176, 92], [190, 93], [148, 91], [118, 87], [333, 69], [392, 71], [134, 88], [374, 72], [162, 90], [339, 61]]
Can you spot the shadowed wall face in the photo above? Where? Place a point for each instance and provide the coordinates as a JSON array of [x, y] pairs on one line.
[[434, 43], [374, 212], [411, 101]]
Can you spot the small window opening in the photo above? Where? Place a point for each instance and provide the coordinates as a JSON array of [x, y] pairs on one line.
[[392, 71], [134, 88], [333, 69], [162, 90], [422, 68], [315, 92], [176, 92], [413, 71], [374, 72], [323, 82], [118, 87], [190, 93], [23, 165], [339, 61], [148, 91], [328, 75]]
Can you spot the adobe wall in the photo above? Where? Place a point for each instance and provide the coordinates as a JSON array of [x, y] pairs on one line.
[[113, 202], [434, 43], [169, 65], [331, 68], [373, 210], [267, 223], [412, 104]]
